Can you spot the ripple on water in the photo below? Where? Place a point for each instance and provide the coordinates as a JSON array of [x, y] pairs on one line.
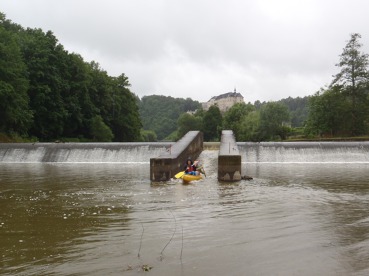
[[92, 220]]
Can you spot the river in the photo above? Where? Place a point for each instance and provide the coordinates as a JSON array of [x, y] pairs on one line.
[[293, 218]]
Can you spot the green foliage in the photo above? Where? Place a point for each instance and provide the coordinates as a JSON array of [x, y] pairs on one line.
[[249, 127], [100, 131], [148, 136], [42, 54], [50, 93], [15, 114], [343, 108], [328, 113], [125, 119], [188, 122], [272, 117], [353, 80], [14, 137], [298, 108], [172, 137], [212, 124], [354, 66], [160, 113], [234, 116]]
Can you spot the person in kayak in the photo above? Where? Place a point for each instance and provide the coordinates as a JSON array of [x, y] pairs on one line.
[[190, 168]]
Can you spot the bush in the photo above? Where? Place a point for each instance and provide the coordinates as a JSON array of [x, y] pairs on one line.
[[100, 131], [148, 135]]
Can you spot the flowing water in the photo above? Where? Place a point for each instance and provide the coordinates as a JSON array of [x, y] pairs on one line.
[[294, 218]]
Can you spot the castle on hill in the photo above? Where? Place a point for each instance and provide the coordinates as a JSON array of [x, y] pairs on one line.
[[224, 101]]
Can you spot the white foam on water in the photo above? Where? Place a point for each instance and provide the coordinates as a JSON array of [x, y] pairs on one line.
[[81, 153]]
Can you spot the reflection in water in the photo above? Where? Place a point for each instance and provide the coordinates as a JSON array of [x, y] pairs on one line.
[[91, 219]]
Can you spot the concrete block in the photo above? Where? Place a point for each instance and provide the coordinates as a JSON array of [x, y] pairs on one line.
[[167, 165], [229, 159]]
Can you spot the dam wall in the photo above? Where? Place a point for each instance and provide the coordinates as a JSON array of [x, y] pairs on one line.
[[264, 152], [304, 152], [81, 152]]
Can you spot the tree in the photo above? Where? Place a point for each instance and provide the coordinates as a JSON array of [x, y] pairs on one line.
[[15, 114], [272, 117], [77, 101], [125, 118], [161, 113], [328, 114], [148, 136], [187, 122], [42, 55], [212, 124], [249, 127], [50, 93], [354, 66], [353, 79], [298, 108], [234, 116], [100, 131]]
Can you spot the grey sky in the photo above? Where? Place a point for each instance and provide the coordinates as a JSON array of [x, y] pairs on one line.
[[267, 49]]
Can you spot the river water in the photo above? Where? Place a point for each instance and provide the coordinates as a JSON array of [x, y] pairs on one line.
[[293, 218]]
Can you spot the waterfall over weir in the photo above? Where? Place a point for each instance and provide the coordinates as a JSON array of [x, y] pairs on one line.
[[81, 152], [265, 152], [304, 152]]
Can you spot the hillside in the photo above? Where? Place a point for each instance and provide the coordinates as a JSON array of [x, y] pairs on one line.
[[298, 108], [160, 113]]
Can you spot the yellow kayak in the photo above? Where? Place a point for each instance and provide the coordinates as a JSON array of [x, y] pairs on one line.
[[187, 178]]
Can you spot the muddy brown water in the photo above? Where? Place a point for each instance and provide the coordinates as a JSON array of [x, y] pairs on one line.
[[108, 219]]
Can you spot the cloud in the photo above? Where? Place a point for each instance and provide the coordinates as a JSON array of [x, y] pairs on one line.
[[267, 49]]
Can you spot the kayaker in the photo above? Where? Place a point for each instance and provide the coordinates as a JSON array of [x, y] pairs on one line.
[[190, 168]]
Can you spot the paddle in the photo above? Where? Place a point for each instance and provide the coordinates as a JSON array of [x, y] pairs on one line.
[[201, 169], [180, 174]]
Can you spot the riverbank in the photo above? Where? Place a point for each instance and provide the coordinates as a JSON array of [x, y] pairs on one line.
[[5, 138], [330, 139]]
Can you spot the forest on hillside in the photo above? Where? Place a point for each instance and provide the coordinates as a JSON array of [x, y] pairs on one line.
[[170, 118], [160, 113], [47, 93]]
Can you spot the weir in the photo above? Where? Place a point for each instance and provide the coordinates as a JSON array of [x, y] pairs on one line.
[[80, 152], [304, 152], [264, 152], [229, 159], [167, 165]]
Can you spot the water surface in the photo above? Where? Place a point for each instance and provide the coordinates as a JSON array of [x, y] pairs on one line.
[[95, 219]]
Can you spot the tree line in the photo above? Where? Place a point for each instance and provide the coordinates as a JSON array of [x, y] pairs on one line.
[[248, 122], [341, 109], [48, 93], [159, 115]]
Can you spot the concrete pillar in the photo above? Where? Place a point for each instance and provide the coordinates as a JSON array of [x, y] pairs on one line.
[[167, 165], [229, 159]]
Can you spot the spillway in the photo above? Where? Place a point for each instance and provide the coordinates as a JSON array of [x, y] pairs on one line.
[[81, 152], [264, 152], [305, 152]]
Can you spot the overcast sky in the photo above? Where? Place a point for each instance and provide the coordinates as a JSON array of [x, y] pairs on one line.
[[267, 49]]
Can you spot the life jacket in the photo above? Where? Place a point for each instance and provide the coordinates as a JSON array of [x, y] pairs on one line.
[[190, 168]]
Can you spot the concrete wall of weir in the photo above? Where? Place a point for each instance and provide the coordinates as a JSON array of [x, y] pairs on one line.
[[229, 159], [167, 165]]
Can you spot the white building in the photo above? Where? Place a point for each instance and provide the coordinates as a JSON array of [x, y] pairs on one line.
[[224, 101]]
